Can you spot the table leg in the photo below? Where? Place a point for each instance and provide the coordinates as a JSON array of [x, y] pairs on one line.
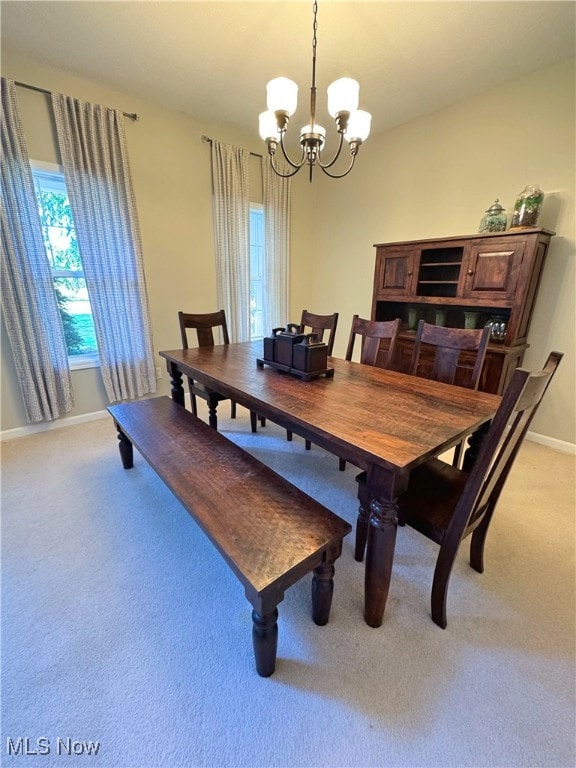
[[213, 411], [474, 443], [177, 391], [379, 558]]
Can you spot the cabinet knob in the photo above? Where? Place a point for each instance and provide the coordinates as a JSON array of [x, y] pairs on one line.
[[470, 271], [410, 273]]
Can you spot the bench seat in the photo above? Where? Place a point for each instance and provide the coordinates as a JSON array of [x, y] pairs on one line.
[[269, 532]]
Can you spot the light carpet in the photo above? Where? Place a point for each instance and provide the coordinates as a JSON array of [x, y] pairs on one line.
[[126, 640]]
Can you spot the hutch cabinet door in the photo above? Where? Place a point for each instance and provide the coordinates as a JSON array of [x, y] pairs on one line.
[[394, 275], [493, 269]]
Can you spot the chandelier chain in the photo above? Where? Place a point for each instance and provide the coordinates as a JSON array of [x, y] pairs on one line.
[[314, 42], [312, 136]]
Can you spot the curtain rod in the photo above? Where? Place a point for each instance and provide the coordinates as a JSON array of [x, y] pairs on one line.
[[132, 115], [208, 140]]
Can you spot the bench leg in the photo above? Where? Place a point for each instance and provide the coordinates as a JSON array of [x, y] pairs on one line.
[[126, 449], [265, 641], [322, 590]]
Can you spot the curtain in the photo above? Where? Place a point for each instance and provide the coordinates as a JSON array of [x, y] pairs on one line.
[[276, 205], [31, 315], [96, 169], [230, 182]]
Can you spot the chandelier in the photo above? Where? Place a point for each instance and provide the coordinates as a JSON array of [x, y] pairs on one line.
[[352, 124]]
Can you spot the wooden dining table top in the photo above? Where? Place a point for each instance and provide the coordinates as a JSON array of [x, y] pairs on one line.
[[362, 413]]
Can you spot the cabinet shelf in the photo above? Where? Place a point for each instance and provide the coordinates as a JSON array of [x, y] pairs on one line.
[[441, 264]]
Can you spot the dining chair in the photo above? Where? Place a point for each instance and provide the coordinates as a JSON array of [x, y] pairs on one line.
[[373, 333], [457, 354], [447, 504], [378, 338], [205, 325], [451, 355], [317, 324]]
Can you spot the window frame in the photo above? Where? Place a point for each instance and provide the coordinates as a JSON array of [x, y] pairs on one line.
[[46, 169]]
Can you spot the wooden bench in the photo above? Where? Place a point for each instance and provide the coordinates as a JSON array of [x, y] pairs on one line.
[[269, 532]]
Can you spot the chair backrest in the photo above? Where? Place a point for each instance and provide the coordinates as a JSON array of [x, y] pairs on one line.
[[204, 325], [373, 333], [500, 446], [452, 350], [318, 324]]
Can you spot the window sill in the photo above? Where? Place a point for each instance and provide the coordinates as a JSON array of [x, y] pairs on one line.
[[78, 362]]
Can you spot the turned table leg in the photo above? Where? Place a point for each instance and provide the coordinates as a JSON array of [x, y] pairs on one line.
[[213, 412], [177, 391], [379, 558]]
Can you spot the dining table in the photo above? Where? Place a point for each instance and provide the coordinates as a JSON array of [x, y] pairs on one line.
[[384, 422]]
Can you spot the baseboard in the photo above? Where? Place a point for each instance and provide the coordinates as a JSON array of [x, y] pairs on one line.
[[551, 442], [45, 426]]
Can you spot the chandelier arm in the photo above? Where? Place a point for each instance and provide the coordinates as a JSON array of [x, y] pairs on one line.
[[297, 166], [336, 156], [339, 175], [284, 175]]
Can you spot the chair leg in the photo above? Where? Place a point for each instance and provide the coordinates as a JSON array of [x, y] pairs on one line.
[[193, 404], [262, 421], [440, 582], [232, 409], [288, 435], [308, 444], [478, 540], [341, 465]]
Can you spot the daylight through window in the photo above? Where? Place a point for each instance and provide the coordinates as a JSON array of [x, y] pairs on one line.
[[256, 271], [62, 250]]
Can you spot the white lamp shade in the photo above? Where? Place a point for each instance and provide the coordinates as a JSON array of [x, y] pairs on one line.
[[358, 126], [268, 127], [282, 95], [318, 129], [343, 96]]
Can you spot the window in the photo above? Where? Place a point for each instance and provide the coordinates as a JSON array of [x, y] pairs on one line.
[[257, 250], [64, 257]]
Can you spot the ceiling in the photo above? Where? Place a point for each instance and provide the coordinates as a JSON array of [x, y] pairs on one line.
[[212, 60]]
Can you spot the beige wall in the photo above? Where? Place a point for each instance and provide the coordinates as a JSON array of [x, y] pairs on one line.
[[435, 177], [432, 177]]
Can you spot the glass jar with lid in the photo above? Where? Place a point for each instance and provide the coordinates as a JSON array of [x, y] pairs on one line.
[[494, 220], [527, 207]]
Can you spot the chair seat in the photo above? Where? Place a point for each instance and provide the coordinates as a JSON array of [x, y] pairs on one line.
[[429, 503]]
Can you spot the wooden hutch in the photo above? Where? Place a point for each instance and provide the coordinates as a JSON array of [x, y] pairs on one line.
[[489, 277]]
